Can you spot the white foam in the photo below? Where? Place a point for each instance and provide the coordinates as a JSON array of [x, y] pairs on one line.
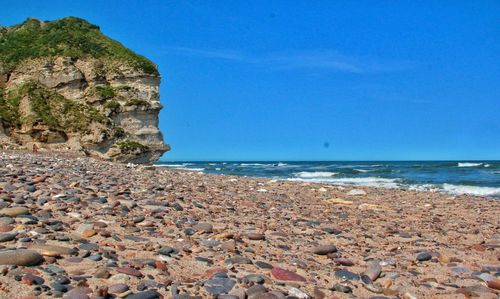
[[367, 182], [180, 166], [469, 164], [169, 165], [363, 170], [473, 190], [315, 174]]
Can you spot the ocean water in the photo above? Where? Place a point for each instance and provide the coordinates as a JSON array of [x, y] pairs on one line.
[[454, 177]]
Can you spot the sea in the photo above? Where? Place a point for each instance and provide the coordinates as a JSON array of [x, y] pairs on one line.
[[453, 177]]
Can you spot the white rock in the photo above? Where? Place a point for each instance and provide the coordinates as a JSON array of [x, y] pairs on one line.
[[298, 293], [356, 192]]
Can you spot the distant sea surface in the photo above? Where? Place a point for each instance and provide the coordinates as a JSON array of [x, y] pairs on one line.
[[454, 177]]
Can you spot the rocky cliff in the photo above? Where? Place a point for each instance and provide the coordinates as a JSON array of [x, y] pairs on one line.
[[66, 86]]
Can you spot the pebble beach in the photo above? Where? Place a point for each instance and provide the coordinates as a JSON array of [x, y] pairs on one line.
[[78, 227]]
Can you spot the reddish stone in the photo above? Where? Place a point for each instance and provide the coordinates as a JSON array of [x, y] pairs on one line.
[[5, 227], [285, 275], [478, 247], [31, 279], [31, 271], [343, 261], [494, 284], [160, 265], [39, 179], [129, 271]]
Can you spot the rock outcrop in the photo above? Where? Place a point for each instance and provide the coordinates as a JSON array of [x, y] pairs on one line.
[[66, 86]]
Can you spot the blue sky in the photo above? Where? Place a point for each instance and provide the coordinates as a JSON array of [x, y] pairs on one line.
[[312, 80]]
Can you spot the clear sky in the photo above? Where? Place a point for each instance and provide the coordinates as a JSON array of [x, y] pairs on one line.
[[311, 80]]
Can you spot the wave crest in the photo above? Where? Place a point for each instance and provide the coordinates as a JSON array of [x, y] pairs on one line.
[[469, 164], [472, 190]]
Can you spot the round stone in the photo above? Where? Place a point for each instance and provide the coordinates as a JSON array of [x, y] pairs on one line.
[[118, 288], [424, 256], [7, 237], [324, 249]]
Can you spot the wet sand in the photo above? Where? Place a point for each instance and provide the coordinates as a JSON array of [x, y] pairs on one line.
[[76, 227]]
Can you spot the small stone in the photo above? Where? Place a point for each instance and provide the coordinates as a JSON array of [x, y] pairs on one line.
[[343, 261], [482, 276], [15, 211], [217, 286], [119, 277], [20, 257], [263, 265], [7, 237], [53, 250], [145, 295], [424, 256], [5, 227], [203, 227], [494, 284], [298, 293], [342, 288], [255, 278], [78, 293], [256, 289], [286, 275], [118, 288], [129, 271], [138, 219], [238, 260], [324, 249], [31, 279], [255, 236], [166, 250], [356, 192], [346, 275], [373, 270], [102, 273], [61, 279]]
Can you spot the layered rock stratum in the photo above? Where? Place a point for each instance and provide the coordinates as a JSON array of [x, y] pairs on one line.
[[66, 86]]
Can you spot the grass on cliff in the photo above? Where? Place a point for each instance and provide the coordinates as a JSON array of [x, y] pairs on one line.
[[128, 146], [49, 108], [9, 109], [70, 37]]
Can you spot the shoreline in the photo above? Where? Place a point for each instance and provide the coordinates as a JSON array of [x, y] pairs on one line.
[[157, 229], [336, 179]]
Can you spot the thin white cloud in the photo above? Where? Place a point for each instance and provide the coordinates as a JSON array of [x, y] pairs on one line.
[[318, 60]]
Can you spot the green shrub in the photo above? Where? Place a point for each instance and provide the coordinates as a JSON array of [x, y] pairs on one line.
[[112, 105], [128, 146], [105, 92], [136, 102], [9, 108], [69, 37], [56, 111]]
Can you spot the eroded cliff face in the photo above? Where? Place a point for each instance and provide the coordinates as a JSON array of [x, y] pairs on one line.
[[99, 106]]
